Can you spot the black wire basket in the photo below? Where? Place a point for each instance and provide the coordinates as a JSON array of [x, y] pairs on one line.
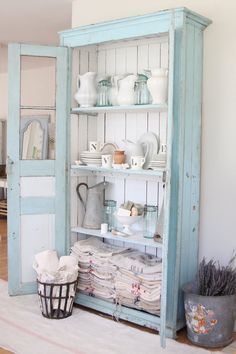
[[56, 300]]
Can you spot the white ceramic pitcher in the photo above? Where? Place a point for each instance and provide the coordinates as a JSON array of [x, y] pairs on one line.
[[86, 96], [115, 89], [158, 85], [126, 94], [135, 149]]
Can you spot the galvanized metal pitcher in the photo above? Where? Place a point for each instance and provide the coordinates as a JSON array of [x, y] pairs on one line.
[[93, 205]]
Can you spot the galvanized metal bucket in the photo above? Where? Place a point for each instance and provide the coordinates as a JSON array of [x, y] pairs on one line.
[[210, 319]]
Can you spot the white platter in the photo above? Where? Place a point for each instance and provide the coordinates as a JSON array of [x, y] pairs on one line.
[[95, 154]]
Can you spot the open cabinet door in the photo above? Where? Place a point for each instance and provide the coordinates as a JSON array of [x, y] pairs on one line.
[[167, 196], [37, 182]]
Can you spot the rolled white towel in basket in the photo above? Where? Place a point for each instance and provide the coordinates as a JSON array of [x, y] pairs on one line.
[[51, 270], [68, 262], [46, 262]]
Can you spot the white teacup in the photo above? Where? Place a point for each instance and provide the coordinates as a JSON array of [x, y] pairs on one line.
[[107, 161], [94, 146], [137, 162]]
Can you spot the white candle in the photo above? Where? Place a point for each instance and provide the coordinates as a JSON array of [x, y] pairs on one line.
[[104, 228]]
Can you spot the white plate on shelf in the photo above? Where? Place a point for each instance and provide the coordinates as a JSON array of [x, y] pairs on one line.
[[153, 141], [92, 154], [92, 163], [98, 161], [91, 158], [109, 148]]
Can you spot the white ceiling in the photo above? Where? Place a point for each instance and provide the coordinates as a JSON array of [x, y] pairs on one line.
[[33, 21]]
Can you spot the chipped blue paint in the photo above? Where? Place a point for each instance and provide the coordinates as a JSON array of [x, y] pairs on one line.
[[18, 205]]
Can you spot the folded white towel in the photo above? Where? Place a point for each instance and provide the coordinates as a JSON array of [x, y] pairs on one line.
[[46, 261], [68, 262]]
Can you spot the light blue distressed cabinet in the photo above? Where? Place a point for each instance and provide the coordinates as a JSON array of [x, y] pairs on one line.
[[172, 39]]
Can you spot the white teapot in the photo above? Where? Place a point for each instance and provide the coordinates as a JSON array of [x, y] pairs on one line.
[[126, 95], [86, 96], [158, 85]]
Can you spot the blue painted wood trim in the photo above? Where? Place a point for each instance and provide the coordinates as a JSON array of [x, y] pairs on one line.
[[13, 148], [196, 144], [68, 166], [37, 168], [191, 159], [126, 313], [16, 169], [183, 235], [174, 253], [39, 51], [113, 109], [131, 27], [167, 199], [61, 162], [26, 289], [36, 205]]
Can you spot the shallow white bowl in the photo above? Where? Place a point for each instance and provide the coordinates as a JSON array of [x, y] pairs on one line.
[[127, 221]]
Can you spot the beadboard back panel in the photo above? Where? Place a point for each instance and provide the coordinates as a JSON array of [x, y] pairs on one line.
[[113, 59]]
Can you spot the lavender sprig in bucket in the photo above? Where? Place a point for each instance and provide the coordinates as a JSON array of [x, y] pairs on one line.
[[216, 280]]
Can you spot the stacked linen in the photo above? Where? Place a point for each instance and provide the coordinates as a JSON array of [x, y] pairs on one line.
[[138, 280], [96, 272], [119, 274]]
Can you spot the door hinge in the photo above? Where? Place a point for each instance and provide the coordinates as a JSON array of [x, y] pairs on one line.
[[164, 177]]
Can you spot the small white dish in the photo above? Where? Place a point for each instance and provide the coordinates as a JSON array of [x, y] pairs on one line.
[[127, 221], [78, 162]]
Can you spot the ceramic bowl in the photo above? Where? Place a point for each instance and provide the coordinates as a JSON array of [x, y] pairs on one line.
[[127, 221]]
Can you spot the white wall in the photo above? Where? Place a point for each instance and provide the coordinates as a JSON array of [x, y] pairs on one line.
[[218, 183]]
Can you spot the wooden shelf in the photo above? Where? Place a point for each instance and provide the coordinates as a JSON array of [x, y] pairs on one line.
[[137, 238], [120, 109], [122, 312], [148, 175]]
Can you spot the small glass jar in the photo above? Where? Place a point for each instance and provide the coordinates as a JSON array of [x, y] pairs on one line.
[[142, 95], [108, 213], [149, 220], [103, 96]]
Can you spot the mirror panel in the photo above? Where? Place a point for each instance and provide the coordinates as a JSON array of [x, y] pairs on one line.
[[34, 137], [38, 108]]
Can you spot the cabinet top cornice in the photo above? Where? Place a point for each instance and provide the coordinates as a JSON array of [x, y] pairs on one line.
[[131, 27]]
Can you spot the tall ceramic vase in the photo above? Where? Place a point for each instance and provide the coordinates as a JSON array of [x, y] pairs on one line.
[[86, 96], [126, 94], [158, 85]]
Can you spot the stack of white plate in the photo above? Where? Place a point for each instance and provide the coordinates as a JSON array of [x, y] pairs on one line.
[[157, 164], [159, 161], [91, 158]]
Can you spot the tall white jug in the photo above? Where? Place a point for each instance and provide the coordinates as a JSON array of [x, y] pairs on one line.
[[86, 96], [158, 85]]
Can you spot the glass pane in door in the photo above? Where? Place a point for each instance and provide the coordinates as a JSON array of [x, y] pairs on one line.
[[38, 104]]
